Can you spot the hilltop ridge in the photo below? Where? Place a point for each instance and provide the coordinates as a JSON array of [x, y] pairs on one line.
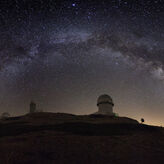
[[67, 138]]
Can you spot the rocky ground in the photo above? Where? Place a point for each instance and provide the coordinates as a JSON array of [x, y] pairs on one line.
[[49, 138]]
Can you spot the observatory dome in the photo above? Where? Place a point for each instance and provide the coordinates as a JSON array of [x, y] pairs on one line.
[[104, 99]]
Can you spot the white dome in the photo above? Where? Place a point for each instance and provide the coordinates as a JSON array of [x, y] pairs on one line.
[[104, 99]]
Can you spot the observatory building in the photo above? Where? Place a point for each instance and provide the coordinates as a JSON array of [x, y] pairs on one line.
[[32, 107], [105, 105]]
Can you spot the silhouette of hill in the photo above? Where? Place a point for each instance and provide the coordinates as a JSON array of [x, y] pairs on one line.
[[66, 138]]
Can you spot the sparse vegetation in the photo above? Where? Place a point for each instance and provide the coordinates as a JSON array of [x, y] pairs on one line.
[[142, 120]]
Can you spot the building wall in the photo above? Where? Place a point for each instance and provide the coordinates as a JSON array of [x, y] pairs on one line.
[[105, 109], [32, 108]]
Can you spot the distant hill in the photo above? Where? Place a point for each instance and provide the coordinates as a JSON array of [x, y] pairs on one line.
[[78, 139]]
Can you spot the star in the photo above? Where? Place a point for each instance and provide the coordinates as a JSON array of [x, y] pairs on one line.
[[74, 4]]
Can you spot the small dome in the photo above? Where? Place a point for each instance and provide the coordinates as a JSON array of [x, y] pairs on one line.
[[103, 99]]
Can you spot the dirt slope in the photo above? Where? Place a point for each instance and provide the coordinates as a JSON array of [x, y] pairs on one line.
[[64, 138]]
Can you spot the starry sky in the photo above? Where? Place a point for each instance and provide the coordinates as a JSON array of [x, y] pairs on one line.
[[63, 54]]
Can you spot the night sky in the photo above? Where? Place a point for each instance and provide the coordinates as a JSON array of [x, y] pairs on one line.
[[64, 54]]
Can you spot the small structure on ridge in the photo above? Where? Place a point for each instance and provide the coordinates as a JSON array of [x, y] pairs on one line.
[[105, 105], [32, 107]]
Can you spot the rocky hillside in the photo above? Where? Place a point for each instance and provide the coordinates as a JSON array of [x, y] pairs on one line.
[[65, 138]]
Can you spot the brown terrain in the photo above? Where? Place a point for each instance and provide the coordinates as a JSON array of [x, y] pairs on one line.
[[57, 138]]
